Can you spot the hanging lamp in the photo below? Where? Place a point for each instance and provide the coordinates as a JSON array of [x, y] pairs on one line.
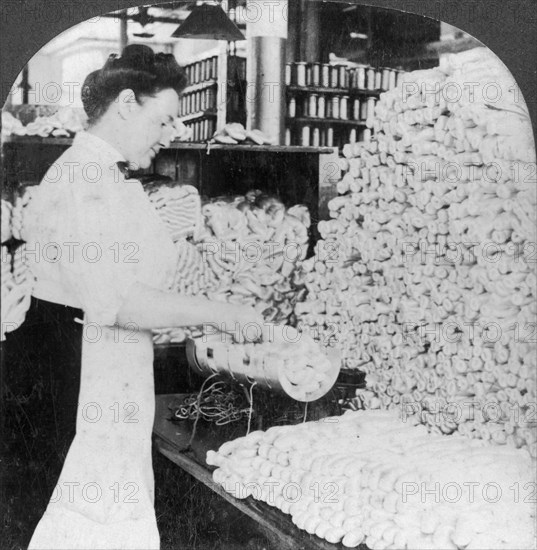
[[209, 22]]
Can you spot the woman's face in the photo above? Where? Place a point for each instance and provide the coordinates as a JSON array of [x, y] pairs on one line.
[[151, 127]]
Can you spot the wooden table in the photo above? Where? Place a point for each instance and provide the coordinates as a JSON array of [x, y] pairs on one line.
[[172, 440]]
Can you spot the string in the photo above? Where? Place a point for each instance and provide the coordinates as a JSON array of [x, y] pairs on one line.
[[305, 412], [198, 410], [250, 411]]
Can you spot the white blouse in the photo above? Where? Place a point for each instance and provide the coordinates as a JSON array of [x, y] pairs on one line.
[[91, 233]]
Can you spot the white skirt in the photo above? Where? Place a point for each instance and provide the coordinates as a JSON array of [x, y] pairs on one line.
[[104, 498]]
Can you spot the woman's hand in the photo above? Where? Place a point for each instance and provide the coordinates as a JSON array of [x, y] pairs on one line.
[[244, 323]]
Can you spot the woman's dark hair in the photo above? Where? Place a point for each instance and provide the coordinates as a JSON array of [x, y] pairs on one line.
[[138, 69]]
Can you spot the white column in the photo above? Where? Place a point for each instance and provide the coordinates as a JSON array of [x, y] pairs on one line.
[[266, 33]]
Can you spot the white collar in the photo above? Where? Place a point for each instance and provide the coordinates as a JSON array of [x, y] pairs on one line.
[[104, 148]]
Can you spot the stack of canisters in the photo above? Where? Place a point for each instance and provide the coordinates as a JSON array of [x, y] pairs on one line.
[[198, 101], [328, 104]]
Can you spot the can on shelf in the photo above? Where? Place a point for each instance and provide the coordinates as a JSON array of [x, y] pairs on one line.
[[325, 75], [398, 76], [301, 73], [316, 74], [385, 84], [334, 76], [370, 107], [287, 136], [203, 100], [344, 107], [305, 136], [351, 77], [288, 74], [335, 106], [312, 105], [370, 78], [330, 137], [360, 77], [215, 67], [197, 100], [367, 134], [196, 72], [309, 75], [305, 106], [291, 107], [378, 79], [392, 79], [363, 110], [321, 107], [209, 69], [316, 141], [211, 99], [343, 77], [356, 109], [352, 135]]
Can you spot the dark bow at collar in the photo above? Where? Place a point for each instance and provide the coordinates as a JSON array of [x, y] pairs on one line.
[[124, 169]]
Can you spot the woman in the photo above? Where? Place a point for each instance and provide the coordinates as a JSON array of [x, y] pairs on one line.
[[109, 255]]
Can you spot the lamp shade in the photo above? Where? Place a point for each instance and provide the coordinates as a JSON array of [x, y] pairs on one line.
[[208, 22]]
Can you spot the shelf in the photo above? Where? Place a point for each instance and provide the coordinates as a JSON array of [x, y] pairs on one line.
[[199, 86], [339, 91], [38, 140], [200, 114], [311, 120], [186, 145], [250, 148]]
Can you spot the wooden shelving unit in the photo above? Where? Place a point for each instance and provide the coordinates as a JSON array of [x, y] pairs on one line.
[[332, 128], [208, 147], [217, 95], [38, 140], [182, 145]]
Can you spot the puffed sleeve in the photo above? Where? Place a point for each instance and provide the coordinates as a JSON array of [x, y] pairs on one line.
[[94, 263]]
